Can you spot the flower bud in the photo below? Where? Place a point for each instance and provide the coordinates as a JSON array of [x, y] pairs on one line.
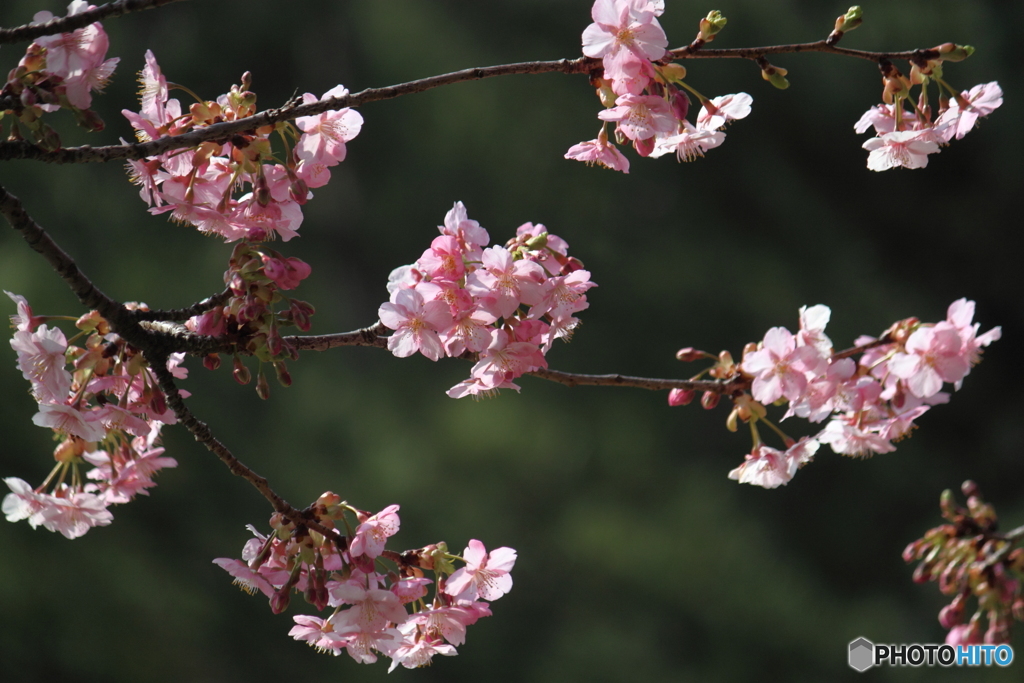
[[969, 488], [775, 75], [681, 397], [849, 21], [211, 361], [280, 599], [607, 96], [69, 449], [158, 402], [689, 354], [711, 25], [240, 372], [953, 613], [644, 147], [262, 385], [710, 400], [673, 73], [284, 378], [680, 104], [952, 52]]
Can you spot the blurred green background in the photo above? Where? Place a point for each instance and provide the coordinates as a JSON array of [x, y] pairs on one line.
[[638, 559]]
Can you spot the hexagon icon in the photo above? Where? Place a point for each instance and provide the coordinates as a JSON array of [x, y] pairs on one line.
[[862, 654]]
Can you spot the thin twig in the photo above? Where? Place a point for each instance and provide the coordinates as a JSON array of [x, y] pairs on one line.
[[72, 22], [367, 336], [178, 314], [202, 433], [22, 149], [572, 379], [819, 46]]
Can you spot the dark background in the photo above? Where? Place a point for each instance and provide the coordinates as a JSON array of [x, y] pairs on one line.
[[638, 559]]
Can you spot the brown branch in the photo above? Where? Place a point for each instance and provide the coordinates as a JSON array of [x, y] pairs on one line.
[[571, 379], [373, 336], [148, 337], [689, 52], [367, 336], [202, 433], [77, 21], [178, 314], [222, 131]]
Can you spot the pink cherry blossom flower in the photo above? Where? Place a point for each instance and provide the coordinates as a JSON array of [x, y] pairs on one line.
[[689, 143], [457, 224], [416, 324], [73, 513], [933, 355], [508, 281], [908, 148], [770, 468], [318, 633], [600, 152], [23, 320], [42, 362], [718, 111], [414, 649], [443, 260], [372, 610], [247, 579], [485, 576], [504, 360], [982, 100], [470, 331], [450, 622], [371, 536], [764, 466], [812, 328], [847, 438], [882, 117], [780, 367], [624, 26], [325, 134], [70, 420], [961, 315], [641, 116], [78, 57], [564, 295], [24, 502]]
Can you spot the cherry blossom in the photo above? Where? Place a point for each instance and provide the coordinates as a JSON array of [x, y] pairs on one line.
[[908, 148], [485, 576]]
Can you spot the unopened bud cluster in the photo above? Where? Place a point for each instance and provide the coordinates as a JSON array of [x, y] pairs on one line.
[[249, 319], [380, 601], [968, 558]]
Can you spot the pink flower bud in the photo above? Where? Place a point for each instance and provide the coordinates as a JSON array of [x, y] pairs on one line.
[[681, 397], [710, 400], [211, 361], [240, 372]]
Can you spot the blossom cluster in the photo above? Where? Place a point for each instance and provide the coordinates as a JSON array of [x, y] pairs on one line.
[[504, 306], [59, 71], [869, 403], [372, 612], [255, 277], [198, 186], [905, 138], [107, 412], [647, 101], [968, 558]]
